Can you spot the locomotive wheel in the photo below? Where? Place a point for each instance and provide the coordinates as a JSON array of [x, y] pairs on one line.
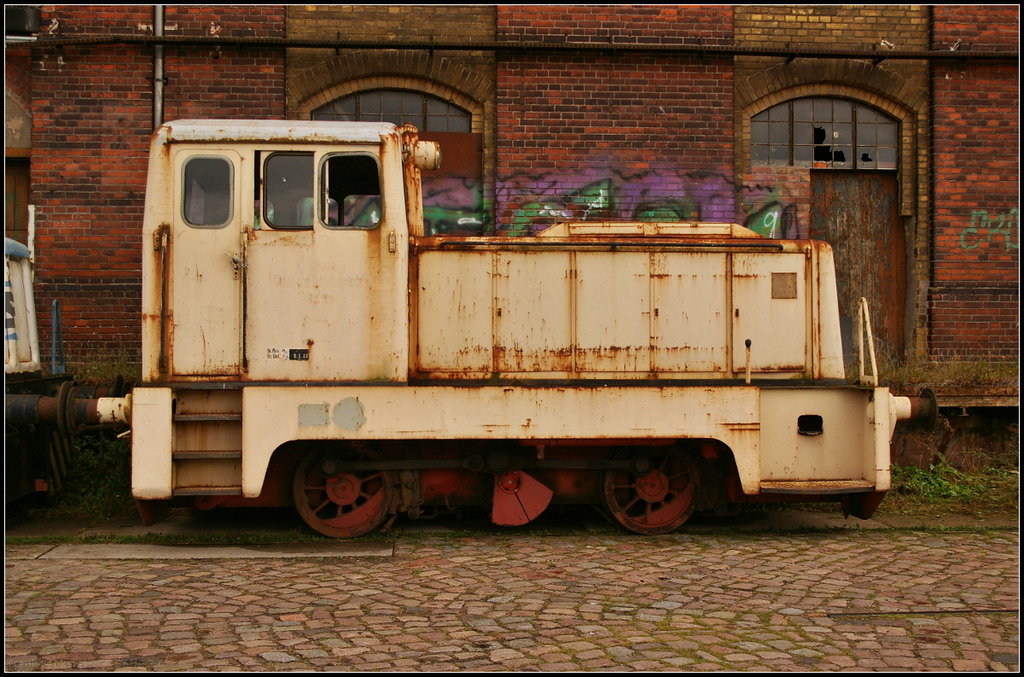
[[656, 501], [342, 503]]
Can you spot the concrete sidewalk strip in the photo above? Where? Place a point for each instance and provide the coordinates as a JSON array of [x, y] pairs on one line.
[[275, 551]]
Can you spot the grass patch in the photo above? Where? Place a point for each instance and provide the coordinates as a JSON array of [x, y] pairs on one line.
[[104, 371], [98, 483], [942, 489], [953, 372]]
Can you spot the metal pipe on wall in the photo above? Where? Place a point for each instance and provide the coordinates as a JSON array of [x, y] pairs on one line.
[[522, 47], [158, 67]]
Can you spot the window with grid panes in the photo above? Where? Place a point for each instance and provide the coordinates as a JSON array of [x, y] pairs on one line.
[[824, 132]]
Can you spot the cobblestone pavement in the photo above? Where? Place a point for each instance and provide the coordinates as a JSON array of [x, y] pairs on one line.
[[827, 601]]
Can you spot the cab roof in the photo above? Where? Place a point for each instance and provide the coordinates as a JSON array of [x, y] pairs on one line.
[[276, 131]]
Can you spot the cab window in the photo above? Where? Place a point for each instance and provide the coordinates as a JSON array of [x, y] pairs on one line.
[[351, 190], [288, 190], [207, 192]]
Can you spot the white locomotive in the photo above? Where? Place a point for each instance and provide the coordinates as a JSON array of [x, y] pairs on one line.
[[306, 342]]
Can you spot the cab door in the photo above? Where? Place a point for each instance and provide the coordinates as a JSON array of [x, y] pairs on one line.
[[326, 287], [205, 264]]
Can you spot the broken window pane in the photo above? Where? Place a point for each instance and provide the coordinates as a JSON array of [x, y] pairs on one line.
[[821, 130]]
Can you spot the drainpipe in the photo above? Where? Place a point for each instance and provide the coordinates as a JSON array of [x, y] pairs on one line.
[[158, 67]]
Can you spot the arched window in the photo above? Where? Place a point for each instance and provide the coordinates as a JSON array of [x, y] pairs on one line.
[[826, 133], [452, 195], [428, 113]]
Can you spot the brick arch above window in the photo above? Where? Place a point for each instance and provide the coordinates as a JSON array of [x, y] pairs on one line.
[[397, 83], [884, 104], [863, 80], [347, 73]]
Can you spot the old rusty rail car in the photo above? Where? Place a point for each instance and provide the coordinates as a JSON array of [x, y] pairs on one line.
[[305, 342]]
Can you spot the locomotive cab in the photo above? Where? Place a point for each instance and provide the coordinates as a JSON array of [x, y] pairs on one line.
[[282, 259]]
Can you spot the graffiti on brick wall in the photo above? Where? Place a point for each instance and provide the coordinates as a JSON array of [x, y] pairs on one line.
[[999, 229], [530, 203], [453, 206], [767, 212]]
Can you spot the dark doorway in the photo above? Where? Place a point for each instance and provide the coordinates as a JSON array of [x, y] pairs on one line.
[[16, 190]]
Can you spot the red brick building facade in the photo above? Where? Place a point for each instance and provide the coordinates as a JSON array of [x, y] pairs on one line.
[[603, 112]]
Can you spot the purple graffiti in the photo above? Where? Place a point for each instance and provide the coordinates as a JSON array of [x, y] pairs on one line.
[[527, 204]]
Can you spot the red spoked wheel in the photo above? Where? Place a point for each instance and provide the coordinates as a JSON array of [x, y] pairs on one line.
[[340, 502], [656, 500]]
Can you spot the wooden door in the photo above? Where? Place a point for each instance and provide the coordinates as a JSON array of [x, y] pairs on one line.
[[857, 212]]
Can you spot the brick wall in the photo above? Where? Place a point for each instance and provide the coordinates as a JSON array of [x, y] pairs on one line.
[[204, 82], [976, 256], [318, 76], [613, 135], [833, 26], [384, 23], [92, 119], [606, 134]]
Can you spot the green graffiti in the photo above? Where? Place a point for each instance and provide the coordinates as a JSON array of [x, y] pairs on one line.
[[593, 197], [532, 203], [766, 221], [591, 201], [985, 229], [668, 210], [451, 221]]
